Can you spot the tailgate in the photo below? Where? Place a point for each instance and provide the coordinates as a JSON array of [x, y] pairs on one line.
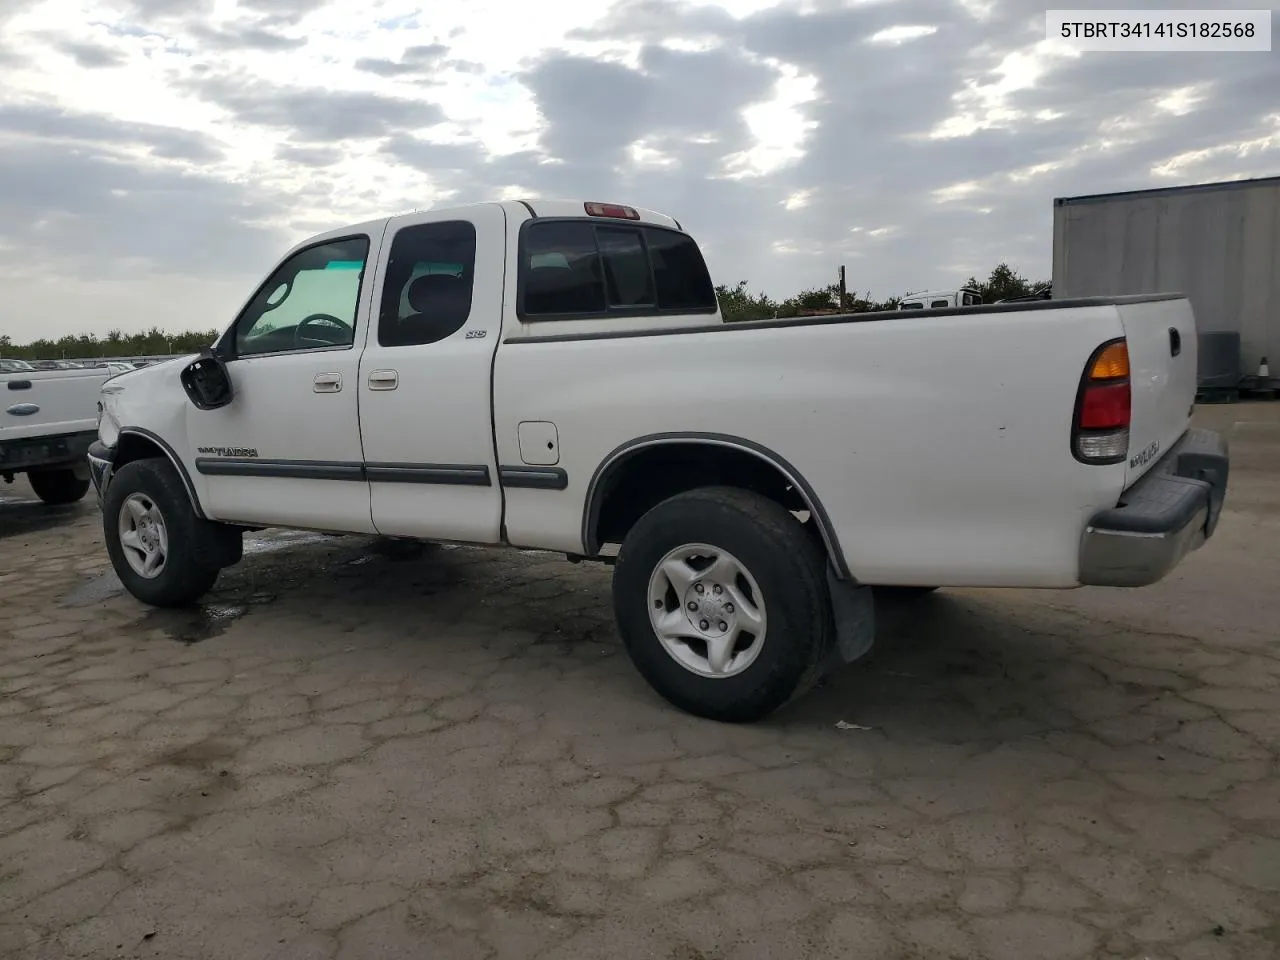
[[1161, 336], [49, 402]]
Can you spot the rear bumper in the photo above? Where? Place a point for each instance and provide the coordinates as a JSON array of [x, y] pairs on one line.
[[101, 465], [39, 453], [1163, 517]]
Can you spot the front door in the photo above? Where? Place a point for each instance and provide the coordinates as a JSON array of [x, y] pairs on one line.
[[425, 379], [286, 450]]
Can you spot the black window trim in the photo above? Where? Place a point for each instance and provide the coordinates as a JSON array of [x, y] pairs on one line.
[[609, 313], [227, 348], [389, 241]]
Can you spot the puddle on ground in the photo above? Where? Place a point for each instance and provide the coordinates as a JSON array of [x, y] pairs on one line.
[[194, 626]]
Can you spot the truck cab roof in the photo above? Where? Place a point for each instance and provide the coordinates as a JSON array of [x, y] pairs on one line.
[[546, 208]]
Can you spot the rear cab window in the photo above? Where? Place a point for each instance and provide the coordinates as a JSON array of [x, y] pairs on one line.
[[579, 269]]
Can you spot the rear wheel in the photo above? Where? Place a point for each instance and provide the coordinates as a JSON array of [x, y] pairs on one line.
[[163, 553], [57, 487], [722, 602]]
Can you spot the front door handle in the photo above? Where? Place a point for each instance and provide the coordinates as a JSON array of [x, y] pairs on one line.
[[327, 383], [384, 380]]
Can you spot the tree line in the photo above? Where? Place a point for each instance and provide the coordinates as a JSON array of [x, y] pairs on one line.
[[736, 303], [116, 343]]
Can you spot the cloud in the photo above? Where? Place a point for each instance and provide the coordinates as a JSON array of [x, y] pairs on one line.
[[414, 61], [53, 127], [595, 110], [314, 113], [916, 141], [250, 36], [87, 213], [274, 12], [91, 56]]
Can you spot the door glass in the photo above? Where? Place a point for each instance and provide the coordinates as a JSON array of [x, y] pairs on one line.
[[427, 293], [308, 303]]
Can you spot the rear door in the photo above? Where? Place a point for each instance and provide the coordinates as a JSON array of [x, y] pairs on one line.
[[426, 374], [1161, 337]]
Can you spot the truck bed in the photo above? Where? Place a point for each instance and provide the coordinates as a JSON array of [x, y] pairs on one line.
[[938, 441]]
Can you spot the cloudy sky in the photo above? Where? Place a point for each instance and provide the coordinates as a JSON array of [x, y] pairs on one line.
[[157, 156]]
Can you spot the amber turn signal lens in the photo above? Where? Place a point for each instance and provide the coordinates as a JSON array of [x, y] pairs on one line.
[[1112, 363]]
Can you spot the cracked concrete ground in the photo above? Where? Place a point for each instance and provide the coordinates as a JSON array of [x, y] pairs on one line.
[[352, 753]]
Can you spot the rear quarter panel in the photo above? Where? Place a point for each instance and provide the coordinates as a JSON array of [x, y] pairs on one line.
[[938, 446]]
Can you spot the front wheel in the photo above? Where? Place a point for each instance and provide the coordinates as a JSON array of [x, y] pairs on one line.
[[722, 602], [163, 553], [58, 487]]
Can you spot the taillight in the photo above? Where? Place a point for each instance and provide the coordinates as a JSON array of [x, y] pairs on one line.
[[1100, 433], [614, 210]]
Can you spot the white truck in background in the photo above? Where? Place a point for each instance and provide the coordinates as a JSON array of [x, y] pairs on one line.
[[940, 299], [48, 418], [556, 375]]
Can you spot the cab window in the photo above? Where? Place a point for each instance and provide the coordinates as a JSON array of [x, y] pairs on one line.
[[426, 297], [309, 303], [575, 269]]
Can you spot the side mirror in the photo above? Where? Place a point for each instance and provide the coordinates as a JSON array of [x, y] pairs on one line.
[[207, 383]]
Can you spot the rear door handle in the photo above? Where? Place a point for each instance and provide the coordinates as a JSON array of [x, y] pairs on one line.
[[384, 380], [1175, 342], [327, 383]]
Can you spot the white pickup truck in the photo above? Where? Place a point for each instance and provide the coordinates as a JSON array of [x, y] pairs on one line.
[[48, 418], [556, 375]]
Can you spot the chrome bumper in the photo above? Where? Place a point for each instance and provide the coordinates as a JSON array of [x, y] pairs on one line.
[[1166, 515]]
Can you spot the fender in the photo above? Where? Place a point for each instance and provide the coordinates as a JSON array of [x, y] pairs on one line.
[[172, 457], [591, 511]]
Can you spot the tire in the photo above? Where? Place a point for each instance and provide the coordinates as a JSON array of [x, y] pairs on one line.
[[58, 487], [902, 594], [784, 576], [194, 549]]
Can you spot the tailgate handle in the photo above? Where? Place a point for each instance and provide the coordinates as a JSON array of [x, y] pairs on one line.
[[1175, 342], [19, 384]]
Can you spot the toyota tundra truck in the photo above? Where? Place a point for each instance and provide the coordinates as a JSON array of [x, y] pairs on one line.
[[556, 375]]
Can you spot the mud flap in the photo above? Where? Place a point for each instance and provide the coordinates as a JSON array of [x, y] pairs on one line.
[[854, 610]]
